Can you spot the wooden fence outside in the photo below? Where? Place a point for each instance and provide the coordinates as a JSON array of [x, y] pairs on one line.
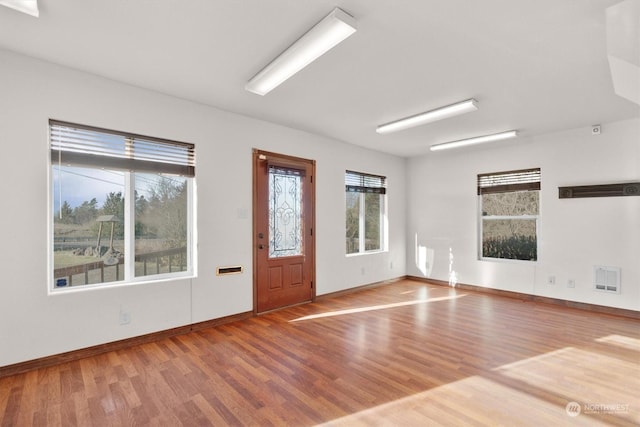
[[149, 260]]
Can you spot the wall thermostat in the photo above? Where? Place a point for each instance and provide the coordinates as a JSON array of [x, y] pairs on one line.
[[595, 130]]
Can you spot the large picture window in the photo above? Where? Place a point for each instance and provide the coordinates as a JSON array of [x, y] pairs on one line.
[[509, 205], [122, 206], [365, 209]]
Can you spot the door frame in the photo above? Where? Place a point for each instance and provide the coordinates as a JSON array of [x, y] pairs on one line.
[[310, 248]]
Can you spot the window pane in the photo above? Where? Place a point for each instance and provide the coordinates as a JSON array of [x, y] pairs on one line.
[[364, 203], [353, 222], [285, 213], [161, 224], [91, 168], [372, 222], [88, 230], [511, 204], [509, 239]]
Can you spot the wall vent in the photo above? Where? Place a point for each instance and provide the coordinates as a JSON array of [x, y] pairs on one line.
[[606, 279], [223, 271], [601, 190]]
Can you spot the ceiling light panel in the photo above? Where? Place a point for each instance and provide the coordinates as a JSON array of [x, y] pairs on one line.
[[30, 7], [430, 116], [476, 140], [334, 28]]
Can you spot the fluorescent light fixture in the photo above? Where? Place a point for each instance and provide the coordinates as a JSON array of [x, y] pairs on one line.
[[30, 7], [476, 140], [334, 28], [429, 116]]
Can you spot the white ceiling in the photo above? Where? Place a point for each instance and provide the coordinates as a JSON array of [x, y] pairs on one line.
[[534, 65]]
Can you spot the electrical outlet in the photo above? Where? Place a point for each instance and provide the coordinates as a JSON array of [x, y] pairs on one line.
[[551, 280], [125, 317], [571, 283]]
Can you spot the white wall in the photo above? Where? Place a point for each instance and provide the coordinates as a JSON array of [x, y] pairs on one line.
[[574, 235], [435, 208], [34, 323]]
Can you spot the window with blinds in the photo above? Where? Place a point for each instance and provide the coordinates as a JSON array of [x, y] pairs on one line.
[[122, 206], [94, 147], [358, 182], [509, 214], [501, 182], [365, 211]]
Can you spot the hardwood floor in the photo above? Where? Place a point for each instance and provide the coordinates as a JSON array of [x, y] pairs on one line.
[[404, 354]]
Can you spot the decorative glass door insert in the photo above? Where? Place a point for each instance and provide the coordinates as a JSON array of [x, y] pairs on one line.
[[285, 212]]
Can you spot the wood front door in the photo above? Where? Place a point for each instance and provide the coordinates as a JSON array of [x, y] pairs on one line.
[[283, 217]]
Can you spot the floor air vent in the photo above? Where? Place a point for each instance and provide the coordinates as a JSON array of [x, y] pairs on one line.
[[606, 279]]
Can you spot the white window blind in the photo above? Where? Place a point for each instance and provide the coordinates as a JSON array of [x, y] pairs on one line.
[[79, 145], [502, 182], [357, 182]]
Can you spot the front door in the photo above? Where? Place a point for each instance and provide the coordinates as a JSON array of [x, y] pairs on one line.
[[284, 248]]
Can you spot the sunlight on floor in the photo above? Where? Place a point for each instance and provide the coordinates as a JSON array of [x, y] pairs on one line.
[[620, 341], [546, 385], [472, 401], [376, 307], [527, 362], [569, 372]]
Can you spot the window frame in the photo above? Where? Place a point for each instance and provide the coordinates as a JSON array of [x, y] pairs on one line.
[[365, 184], [507, 182], [172, 167]]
